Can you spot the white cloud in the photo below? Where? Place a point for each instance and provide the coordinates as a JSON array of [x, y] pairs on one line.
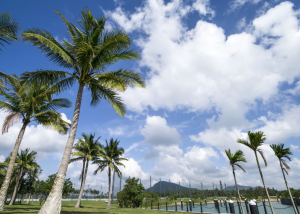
[[2, 158], [46, 142], [117, 131], [202, 6], [157, 132], [202, 69], [133, 146], [295, 148], [236, 4]]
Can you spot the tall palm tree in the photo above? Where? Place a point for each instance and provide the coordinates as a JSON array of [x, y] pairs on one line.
[[86, 149], [8, 29], [24, 163], [283, 154], [234, 160], [257, 139], [87, 53], [111, 158], [28, 103]]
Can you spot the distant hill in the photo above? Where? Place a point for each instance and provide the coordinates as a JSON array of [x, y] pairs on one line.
[[240, 187], [166, 186]]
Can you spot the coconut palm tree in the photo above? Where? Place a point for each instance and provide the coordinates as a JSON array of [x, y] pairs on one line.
[[234, 160], [8, 29], [28, 103], [86, 149], [111, 159], [25, 161], [283, 154], [257, 139], [89, 50]]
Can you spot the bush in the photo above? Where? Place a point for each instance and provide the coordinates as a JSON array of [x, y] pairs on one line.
[[132, 194]]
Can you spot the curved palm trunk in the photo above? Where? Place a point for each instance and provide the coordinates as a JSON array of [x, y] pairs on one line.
[[82, 184], [287, 186], [262, 179], [53, 203], [13, 198], [10, 168], [237, 189], [82, 174], [109, 191]]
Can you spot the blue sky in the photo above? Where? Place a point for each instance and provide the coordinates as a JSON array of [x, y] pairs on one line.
[[214, 70]]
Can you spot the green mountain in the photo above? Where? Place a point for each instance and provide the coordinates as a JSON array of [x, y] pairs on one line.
[[166, 186]]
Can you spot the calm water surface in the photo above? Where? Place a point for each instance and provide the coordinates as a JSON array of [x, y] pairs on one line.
[[210, 208]]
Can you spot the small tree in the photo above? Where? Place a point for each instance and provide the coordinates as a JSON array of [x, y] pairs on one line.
[[132, 194]]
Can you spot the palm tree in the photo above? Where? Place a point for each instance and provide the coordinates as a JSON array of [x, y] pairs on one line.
[[234, 160], [8, 29], [33, 177], [111, 159], [282, 154], [89, 51], [25, 161], [86, 149], [257, 139], [28, 103]]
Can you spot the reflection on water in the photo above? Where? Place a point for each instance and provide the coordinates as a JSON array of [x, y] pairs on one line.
[[210, 208]]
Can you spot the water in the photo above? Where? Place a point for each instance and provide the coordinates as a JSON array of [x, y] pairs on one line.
[[210, 208]]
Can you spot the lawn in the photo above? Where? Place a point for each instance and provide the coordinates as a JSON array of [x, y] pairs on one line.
[[91, 207]]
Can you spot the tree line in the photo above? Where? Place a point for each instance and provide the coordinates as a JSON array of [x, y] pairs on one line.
[[85, 57]]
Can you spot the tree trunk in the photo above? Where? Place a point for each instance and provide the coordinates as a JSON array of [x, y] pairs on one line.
[[287, 186], [237, 189], [109, 191], [28, 201], [262, 179], [82, 174], [53, 203], [10, 168], [82, 185], [13, 198]]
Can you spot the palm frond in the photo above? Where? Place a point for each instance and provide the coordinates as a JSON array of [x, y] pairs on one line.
[[8, 29], [44, 41], [263, 156], [10, 120], [99, 92]]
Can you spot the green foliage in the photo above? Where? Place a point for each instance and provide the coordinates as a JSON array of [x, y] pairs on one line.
[[283, 154], [132, 194], [89, 50], [151, 196], [44, 187], [31, 103], [8, 29], [110, 157]]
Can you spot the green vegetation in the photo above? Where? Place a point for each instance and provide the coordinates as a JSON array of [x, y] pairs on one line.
[[132, 194], [89, 50], [86, 149], [111, 159], [92, 207], [8, 29], [28, 103]]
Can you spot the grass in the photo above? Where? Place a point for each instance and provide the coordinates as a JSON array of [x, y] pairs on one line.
[[90, 207]]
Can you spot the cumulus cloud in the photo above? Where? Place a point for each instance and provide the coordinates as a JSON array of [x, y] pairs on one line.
[[2, 158], [157, 132], [202, 69], [46, 142]]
